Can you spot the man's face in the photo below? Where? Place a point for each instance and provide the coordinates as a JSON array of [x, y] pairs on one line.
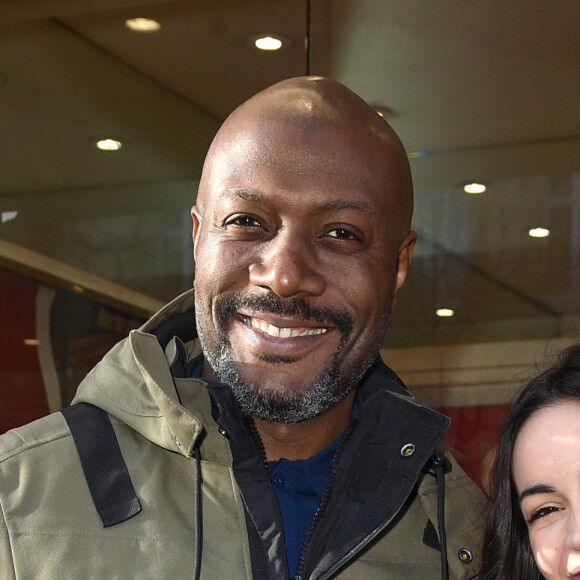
[[297, 263]]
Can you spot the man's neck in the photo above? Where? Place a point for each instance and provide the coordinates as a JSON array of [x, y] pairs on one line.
[[307, 438]]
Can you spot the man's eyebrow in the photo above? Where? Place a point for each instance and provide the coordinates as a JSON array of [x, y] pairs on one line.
[[322, 207], [534, 489], [246, 194], [340, 204]]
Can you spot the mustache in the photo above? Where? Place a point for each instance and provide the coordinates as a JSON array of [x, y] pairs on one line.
[[294, 307]]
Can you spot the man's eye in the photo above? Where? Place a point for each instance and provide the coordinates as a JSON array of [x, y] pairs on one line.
[[542, 512], [343, 234], [243, 221]]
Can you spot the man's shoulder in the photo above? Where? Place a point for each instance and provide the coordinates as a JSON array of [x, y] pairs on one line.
[[48, 430]]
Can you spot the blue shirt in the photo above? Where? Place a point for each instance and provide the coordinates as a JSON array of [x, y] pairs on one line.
[[299, 486]]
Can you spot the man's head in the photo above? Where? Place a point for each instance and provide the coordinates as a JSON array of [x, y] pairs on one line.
[[301, 239]]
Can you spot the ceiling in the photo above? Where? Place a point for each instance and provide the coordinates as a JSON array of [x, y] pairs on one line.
[[480, 90]]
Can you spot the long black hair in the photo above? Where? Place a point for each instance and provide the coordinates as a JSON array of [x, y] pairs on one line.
[[507, 554]]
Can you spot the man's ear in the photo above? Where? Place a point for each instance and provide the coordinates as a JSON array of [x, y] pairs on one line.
[[404, 257], [196, 217]]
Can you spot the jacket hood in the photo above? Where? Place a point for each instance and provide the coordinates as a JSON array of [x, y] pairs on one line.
[[133, 381]]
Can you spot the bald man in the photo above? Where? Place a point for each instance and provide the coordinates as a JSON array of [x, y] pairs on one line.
[[250, 430]]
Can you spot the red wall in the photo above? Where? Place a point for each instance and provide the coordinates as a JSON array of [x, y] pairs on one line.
[[473, 431], [22, 396]]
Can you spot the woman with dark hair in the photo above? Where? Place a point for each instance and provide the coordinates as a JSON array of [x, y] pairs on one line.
[[534, 525]]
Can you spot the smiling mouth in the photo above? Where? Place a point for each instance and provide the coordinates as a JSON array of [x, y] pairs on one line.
[[281, 332]]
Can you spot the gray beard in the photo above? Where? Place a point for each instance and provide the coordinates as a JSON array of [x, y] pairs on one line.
[[328, 389], [271, 404]]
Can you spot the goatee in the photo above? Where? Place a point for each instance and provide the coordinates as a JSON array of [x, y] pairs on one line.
[[270, 402]]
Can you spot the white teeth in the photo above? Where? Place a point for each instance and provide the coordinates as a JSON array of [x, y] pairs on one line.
[[272, 330]]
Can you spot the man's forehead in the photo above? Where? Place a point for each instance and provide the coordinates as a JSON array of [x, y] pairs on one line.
[[334, 173], [307, 147]]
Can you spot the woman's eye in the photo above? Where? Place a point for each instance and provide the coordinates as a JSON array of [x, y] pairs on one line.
[[542, 512], [343, 234]]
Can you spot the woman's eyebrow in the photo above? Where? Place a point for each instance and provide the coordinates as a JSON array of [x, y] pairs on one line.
[[534, 489]]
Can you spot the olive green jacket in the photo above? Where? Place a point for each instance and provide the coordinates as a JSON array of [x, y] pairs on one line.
[[206, 503]]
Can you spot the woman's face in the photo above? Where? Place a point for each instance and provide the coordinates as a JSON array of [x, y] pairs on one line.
[[546, 471]]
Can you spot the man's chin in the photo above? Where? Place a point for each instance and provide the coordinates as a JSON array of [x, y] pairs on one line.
[[278, 384], [272, 407], [287, 398], [276, 398]]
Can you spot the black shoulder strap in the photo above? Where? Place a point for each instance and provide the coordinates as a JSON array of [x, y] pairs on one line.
[[103, 465]]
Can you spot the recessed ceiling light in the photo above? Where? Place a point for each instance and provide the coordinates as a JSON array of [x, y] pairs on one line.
[[31, 341], [539, 233], [109, 144], [78, 289], [142, 24], [268, 42], [444, 312], [8, 216], [474, 188]]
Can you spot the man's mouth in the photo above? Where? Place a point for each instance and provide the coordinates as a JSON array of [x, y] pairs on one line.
[[282, 332]]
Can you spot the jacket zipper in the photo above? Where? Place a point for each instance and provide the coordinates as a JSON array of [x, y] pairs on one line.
[[323, 502], [251, 426]]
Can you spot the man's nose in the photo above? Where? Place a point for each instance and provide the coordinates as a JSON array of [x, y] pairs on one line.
[[288, 265]]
